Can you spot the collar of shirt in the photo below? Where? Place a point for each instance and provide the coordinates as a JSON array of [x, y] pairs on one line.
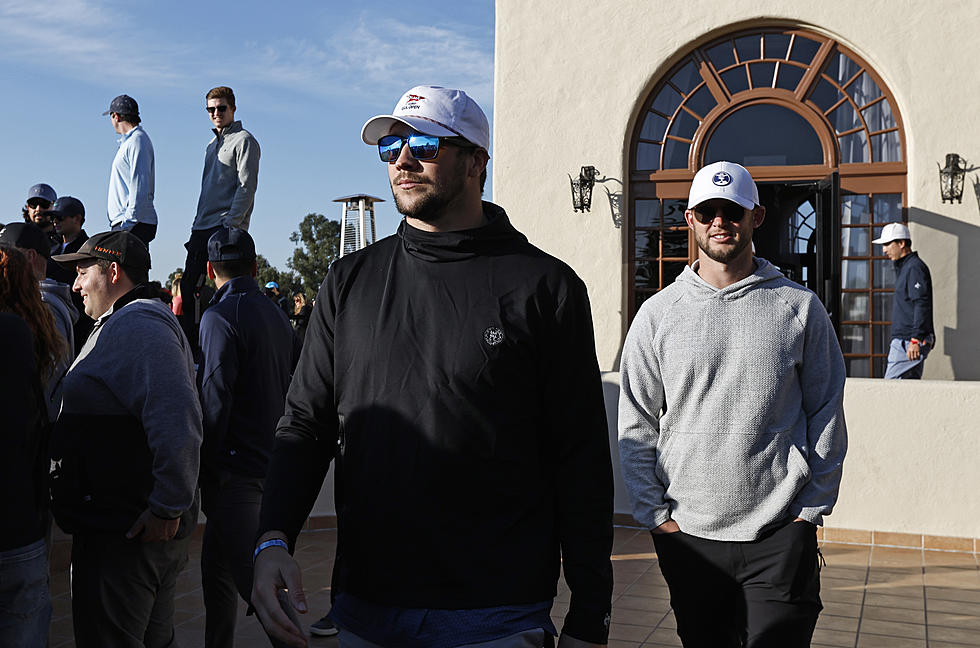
[[125, 137], [233, 127]]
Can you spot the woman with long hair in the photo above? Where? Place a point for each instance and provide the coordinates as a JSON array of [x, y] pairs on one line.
[[301, 315], [177, 304], [20, 295], [31, 347]]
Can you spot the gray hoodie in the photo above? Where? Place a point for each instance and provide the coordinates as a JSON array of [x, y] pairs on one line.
[[58, 298], [731, 411]]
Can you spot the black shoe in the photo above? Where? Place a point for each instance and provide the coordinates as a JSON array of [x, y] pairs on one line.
[[323, 628]]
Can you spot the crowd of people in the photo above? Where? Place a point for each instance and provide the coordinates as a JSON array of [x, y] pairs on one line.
[[447, 372]]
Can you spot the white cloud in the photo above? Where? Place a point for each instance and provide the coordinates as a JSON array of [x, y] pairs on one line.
[[385, 58], [107, 44], [84, 39]]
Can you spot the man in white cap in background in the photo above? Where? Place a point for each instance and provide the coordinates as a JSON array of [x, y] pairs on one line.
[[913, 335], [731, 429], [450, 371]]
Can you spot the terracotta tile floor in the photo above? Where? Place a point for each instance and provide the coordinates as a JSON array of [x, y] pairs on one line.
[[874, 597]]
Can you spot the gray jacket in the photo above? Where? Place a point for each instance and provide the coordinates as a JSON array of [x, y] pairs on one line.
[[231, 176], [731, 412], [58, 298]]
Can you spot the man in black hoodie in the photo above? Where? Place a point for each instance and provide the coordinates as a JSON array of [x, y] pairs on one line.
[[451, 372]]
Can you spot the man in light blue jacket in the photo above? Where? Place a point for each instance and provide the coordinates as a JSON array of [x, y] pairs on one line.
[[132, 177], [731, 430]]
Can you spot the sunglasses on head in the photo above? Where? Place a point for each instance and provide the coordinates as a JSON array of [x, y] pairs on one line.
[[221, 109], [731, 212], [39, 202], [422, 147]]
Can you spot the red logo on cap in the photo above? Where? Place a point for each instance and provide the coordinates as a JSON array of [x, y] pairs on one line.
[[412, 98]]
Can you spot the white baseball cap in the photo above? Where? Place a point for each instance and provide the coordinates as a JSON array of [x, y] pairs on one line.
[[893, 232], [433, 110], [723, 180]]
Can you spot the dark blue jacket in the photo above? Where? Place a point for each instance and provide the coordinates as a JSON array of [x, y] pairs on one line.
[[248, 351], [912, 306]]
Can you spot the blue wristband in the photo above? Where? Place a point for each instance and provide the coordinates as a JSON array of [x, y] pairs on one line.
[[277, 542]]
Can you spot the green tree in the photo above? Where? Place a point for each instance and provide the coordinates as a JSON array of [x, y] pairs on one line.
[[318, 245], [289, 283]]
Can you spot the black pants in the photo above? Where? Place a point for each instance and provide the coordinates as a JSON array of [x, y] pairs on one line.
[[122, 591], [759, 594], [195, 267], [143, 231], [232, 508]]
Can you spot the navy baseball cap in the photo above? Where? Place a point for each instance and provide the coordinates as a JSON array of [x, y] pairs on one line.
[[44, 191], [231, 244], [121, 247], [26, 235], [124, 105], [67, 206]]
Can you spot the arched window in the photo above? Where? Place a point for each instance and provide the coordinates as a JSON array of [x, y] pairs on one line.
[[795, 107]]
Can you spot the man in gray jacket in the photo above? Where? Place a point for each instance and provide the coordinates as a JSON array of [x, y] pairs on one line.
[[231, 176], [731, 429], [127, 443]]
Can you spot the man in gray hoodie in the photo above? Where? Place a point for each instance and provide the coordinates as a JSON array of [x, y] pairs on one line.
[[731, 429]]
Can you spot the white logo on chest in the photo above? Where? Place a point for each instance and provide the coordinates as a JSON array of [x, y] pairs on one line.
[[493, 336]]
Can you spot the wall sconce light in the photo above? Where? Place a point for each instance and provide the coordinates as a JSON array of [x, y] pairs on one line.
[[582, 188], [951, 178]]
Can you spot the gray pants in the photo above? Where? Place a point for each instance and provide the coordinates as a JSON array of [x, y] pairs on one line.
[[526, 639], [122, 591]]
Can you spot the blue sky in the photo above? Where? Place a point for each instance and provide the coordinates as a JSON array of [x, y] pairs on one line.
[[306, 76]]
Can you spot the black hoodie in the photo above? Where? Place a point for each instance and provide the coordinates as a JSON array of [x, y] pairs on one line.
[[454, 377]]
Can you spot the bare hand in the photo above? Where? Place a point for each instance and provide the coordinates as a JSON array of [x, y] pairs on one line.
[[275, 570], [914, 352], [153, 528], [667, 527], [571, 642]]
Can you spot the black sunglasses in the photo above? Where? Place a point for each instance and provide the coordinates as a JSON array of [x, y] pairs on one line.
[[39, 202], [731, 212], [221, 109], [422, 147]]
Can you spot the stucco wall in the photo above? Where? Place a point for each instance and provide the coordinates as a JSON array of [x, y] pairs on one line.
[[570, 78], [911, 458]]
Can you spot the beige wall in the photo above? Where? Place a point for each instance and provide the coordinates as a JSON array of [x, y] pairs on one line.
[[570, 78], [909, 469]]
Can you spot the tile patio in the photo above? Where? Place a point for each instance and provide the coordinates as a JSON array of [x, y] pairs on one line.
[[874, 597]]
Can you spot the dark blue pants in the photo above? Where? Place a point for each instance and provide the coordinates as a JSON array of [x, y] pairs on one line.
[[760, 594], [231, 505]]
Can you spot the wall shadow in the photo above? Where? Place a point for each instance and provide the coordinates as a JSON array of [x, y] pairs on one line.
[[960, 343]]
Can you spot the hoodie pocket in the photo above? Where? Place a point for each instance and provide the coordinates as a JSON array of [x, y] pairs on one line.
[[799, 463]]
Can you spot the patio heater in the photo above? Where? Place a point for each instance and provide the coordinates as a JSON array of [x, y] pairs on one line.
[[356, 221]]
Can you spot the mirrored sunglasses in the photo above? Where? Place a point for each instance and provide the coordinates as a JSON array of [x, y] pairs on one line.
[[422, 147]]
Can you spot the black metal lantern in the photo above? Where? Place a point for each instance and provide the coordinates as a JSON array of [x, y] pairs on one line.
[[951, 178], [582, 188]]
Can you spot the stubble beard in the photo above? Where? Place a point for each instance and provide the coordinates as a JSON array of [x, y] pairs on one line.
[[429, 204], [724, 255]]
